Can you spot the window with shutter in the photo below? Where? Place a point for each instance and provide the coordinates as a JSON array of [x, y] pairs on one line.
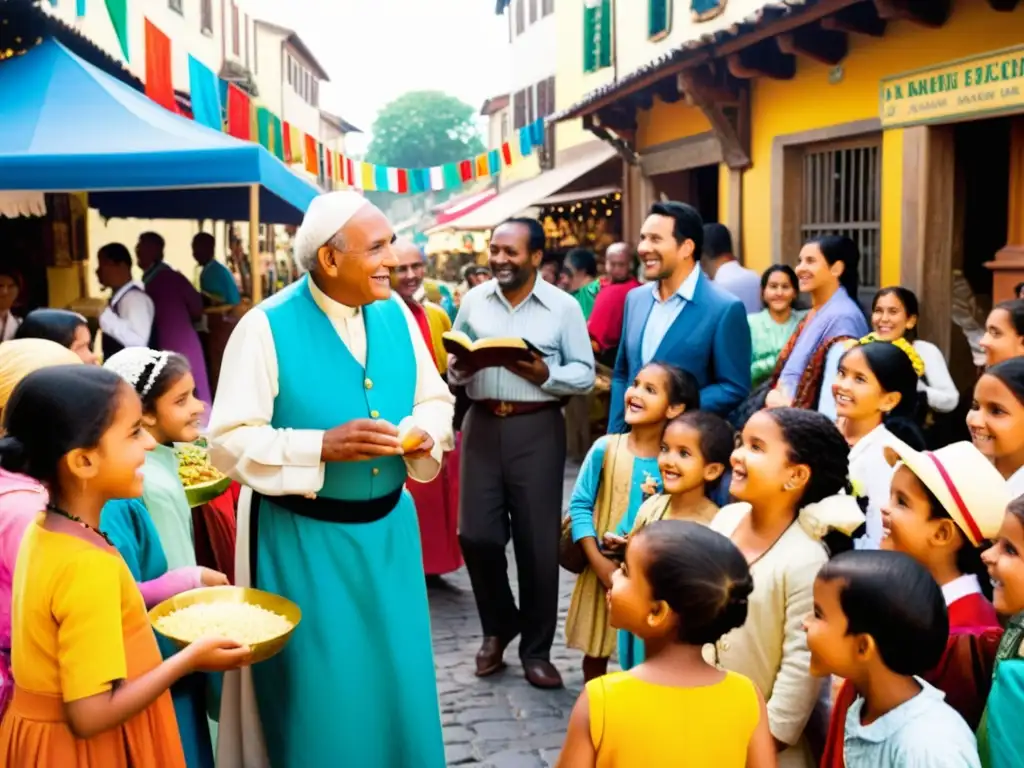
[[533, 11], [531, 104], [520, 16], [519, 109], [597, 34], [547, 7], [206, 16], [542, 98], [659, 18]]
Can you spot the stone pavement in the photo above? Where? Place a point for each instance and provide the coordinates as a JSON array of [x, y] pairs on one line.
[[498, 721]]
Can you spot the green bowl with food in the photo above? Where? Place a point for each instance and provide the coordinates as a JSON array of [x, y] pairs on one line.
[[202, 481]]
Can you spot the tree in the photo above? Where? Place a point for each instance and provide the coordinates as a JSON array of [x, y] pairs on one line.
[[421, 129]]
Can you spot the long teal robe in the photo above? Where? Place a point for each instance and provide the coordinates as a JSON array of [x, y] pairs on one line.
[[355, 686]]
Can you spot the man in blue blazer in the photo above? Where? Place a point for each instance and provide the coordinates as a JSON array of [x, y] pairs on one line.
[[681, 317]]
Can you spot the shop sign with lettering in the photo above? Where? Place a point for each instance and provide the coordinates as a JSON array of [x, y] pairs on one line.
[[987, 84]]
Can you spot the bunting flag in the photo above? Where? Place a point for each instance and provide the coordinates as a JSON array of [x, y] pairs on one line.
[[310, 152], [277, 134], [239, 107], [159, 86], [298, 145], [206, 108], [221, 105], [264, 129], [118, 12]]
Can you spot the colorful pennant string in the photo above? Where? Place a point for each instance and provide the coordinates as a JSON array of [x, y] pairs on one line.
[[224, 106]]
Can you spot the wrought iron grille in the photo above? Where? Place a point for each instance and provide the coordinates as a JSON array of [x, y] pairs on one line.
[[842, 188]]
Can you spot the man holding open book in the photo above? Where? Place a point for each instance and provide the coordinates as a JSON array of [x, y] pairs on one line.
[[520, 346]]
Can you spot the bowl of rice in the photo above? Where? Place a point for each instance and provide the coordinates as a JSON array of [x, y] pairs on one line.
[[259, 619]]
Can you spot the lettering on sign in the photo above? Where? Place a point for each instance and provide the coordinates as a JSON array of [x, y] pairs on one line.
[[986, 84]]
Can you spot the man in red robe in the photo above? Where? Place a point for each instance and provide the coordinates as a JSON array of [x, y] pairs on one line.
[[437, 502], [605, 323]]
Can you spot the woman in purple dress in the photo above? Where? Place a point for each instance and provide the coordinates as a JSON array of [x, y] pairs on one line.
[[827, 271], [178, 306]]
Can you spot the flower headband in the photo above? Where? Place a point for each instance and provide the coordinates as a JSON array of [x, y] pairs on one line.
[[902, 344], [138, 366]]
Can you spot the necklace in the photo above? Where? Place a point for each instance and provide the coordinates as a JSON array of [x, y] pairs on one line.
[[73, 518]]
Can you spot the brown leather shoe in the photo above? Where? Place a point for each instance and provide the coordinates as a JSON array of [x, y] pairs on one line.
[[541, 673], [490, 657]]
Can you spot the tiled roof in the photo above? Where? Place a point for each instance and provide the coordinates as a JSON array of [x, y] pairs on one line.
[[720, 32]]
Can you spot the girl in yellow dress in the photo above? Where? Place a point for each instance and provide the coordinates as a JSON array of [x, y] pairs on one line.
[[681, 586], [91, 688]]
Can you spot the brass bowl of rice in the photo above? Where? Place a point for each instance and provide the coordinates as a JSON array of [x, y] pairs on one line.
[[259, 619]]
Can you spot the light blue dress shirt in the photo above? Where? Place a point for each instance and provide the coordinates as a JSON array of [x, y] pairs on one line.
[[924, 732], [548, 318], [664, 313]]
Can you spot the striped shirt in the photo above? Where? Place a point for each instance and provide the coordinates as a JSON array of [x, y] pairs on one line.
[[548, 318]]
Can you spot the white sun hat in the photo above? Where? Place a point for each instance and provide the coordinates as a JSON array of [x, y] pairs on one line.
[[966, 484]]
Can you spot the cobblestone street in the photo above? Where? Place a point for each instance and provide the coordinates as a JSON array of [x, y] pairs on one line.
[[499, 721]]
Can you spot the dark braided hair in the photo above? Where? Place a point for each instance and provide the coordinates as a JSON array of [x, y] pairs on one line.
[[813, 440], [702, 576]]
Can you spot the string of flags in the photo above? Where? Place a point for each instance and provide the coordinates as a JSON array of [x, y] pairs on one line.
[[223, 106]]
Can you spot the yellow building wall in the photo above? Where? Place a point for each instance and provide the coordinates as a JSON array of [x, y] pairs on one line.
[[810, 101], [665, 122]]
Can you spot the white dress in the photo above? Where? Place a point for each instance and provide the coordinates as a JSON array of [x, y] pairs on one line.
[[871, 476]]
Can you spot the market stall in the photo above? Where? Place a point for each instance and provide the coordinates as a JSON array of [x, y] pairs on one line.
[[69, 127]]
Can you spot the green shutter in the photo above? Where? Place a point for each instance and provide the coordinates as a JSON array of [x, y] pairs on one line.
[[597, 34], [659, 18]]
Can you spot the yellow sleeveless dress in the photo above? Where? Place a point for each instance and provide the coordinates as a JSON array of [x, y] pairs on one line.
[[636, 724]]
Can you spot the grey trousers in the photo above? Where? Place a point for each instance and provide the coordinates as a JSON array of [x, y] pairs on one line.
[[511, 478]]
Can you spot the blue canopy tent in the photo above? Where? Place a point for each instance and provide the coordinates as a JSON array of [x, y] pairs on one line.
[[69, 127]]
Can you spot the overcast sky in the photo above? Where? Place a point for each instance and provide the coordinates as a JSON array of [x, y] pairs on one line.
[[376, 50]]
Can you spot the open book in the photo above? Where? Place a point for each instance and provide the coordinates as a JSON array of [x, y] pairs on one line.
[[487, 353]]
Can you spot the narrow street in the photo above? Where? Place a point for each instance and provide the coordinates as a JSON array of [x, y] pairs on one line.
[[499, 721]]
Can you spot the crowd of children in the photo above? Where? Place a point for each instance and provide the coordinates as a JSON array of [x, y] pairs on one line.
[[90, 685], [849, 553]]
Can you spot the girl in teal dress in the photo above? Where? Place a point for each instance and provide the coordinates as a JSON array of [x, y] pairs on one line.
[[154, 535], [618, 473]]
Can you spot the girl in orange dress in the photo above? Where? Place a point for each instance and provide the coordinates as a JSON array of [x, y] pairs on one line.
[[91, 689]]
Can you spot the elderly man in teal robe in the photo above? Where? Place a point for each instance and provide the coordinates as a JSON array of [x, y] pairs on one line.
[[329, 401]]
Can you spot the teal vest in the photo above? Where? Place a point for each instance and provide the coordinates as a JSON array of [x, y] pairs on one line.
[[321, 386]]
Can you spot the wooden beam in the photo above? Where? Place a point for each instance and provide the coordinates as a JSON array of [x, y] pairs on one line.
[[618, 118], [762, 60], [860, 19], [1003, 6], [730, 124], [928, 13], [643, 99], [815, 43], [668, 90], [723, 94]]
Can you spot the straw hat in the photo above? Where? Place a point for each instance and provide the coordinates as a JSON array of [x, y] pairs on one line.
[[20, 357], [969, 488]]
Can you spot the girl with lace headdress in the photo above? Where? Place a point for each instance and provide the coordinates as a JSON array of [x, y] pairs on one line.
[[790, 481], [154, 534]]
